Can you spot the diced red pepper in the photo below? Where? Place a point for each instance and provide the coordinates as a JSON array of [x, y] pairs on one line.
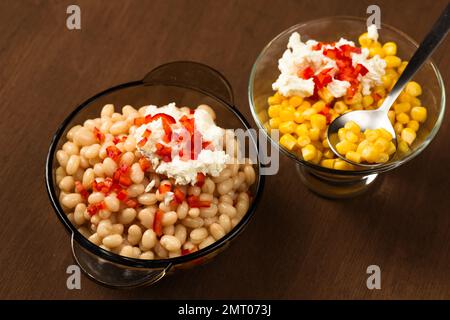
[[122, 195], [360, 69], [164, 152], [142, 142], [116, 140], [164, 187], [185, 252], [323, 78], [81, 190], [113, 152], [376, 97], [164, 116], [318, 46], [200, 179], [207, 145], [99, 135], [167, 131], [103, 186], [139, 121], [147, 133], [157, 223], [195, 202], [306, 73], [144, 163], [188, 124], [94, 208], [179, 195]]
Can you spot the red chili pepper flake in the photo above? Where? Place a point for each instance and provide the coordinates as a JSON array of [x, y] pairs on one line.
[[122, 195], [147, 133], [139, 121], [157, 223], [306, 73], [145, 164], [113, 152], [200, 179], [179, 195], [81, 190], [94, 208], [164, 152], [99, 135], [142, 142], [164, 187], [195, 202]]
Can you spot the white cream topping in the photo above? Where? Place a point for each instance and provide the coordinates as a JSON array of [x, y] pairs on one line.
[[210, 162], [300, 55]]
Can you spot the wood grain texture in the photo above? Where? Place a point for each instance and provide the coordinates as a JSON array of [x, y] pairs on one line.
[[298, 246]]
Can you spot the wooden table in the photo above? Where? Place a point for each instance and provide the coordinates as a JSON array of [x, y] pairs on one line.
[[298, 246]]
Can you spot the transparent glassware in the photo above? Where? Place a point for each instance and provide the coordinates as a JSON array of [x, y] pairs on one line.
[[187, 84], [333, 183]]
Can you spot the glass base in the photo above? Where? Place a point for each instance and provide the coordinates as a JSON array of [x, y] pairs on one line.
[[112, 274], [335, 186]]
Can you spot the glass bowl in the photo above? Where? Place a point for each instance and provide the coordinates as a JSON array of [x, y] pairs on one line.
[[186, 83], [334, 183]]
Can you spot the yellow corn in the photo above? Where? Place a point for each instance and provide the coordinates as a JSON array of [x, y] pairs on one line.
[[302, 130], [402, 107], [314, 134], [369, 154], [391, 116], [288, 141], [402, 67], [408, 135], [419, 114], [340, 164], [413, 124], [403, 147], [351, 137], [328, 154], [287, 115], [318, 121], [391, 148], [402, 117], [309, 152], [340, 107], [327, 163], [398, 127], [273, 100], [319, 105], [308, 113], [390, 48], [393, 61], [364, 40], [274, 110], [287, 127], [345, 146], [302, 141], [274, 123], [367, 101], [325, 95], [381, 144], [295, 101], [353, 156], [353, 126], [374, 51], [413, 88]]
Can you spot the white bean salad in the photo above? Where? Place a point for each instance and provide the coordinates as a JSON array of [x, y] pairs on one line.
[[118, 186]]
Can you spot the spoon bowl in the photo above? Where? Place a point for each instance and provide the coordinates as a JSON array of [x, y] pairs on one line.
[[366, 119]]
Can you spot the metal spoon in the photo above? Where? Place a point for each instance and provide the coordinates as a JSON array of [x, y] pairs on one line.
[[377, 119]]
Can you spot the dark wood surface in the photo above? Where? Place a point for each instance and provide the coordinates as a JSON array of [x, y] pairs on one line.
[[298, 246]]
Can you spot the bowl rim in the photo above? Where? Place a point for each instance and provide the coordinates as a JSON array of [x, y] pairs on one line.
[[358, 172], [141, 263]]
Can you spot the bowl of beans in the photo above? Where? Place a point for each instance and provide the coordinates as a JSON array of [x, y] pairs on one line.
[[316, 71], [148, 177]]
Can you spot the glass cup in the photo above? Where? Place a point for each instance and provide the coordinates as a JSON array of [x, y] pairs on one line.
[[187, 84], [330, 182]]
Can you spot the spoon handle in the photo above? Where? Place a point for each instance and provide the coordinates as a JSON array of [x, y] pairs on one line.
[[426, 48]]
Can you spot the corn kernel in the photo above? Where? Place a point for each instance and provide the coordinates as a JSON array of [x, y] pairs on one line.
[[408, 135], [314, 134], [302, 130], [287, 127], [308, 113], [403, 147], [413, 88], [404, 97], [419, 114], [391, 148], [318, 121], [369, 154], [391, 116], [398, 127], [318, 157], [274, 110], [285, 103], [353, 126], [367, 101], [319, 105], [363, 144], [298, 117], [364, 40], [356, 99], [295, 101], [353, 156], [340, 164], [371, 135], [305, 105], [274, 123], [387, 81], [325, 143], [325, 95], [402, 107], [381, 144], [302, 141], [415, 102], [273, 100], [384, 134], [327, 163], [340, 107], [288, 141], [390, 48], [382, 158], [351, 137], [328, 154], [403, 118], [286, 115], [376, 51], [341, 133], [392, 61], [402, 67], [345, 146], [413, 124], [309, 152]]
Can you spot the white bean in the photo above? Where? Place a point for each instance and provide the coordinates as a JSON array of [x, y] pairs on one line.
[[225, 186], [136, 173], [170, 243], [112, 241], [107, 110], [180, 233], [70, 200], [88, 178], [127, 215], [84, 137], [109, 166], [208, 241], [73, 164], [147, 199], [228, 209], [217, 231], [67, 184], [182, 210], [134, 234], [149, 239]]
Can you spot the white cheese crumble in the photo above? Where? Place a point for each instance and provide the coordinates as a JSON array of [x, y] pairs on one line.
[[300, 55], [208, 162]]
